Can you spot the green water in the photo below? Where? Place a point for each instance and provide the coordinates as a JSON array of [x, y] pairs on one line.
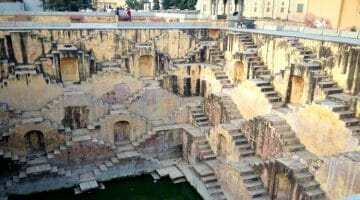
[[138, 188]]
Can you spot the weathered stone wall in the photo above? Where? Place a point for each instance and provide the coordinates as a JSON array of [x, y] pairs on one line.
[[318, 128], [249, 99], [339, 175]]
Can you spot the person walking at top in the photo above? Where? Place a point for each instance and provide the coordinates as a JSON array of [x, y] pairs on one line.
[[117, 13], [128, 12]]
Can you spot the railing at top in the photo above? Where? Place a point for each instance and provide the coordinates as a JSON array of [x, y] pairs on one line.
[[314, 31]]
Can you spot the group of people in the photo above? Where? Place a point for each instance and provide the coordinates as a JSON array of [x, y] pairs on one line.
[[123, 18]]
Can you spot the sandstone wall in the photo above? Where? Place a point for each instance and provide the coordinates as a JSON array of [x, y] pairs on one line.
[[321, 131]]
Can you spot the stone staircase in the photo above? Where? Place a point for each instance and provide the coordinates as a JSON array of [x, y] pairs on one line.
[[239, 141], [252, 182], [229, 106], [221, 76], [257, 68], [210, 181], [124, 151], [12, 156], [335, 99], [36, 167], [77, 136], [268, 90], [309, 188], [204, 150], [305, 54], [199, 118], [351, 122], [246, 42], [283, 131]]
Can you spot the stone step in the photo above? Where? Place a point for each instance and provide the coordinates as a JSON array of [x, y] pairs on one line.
[[209, 157], [257, 192], [327, 84], [250, 178], [243, 147], [209, 179], [215, 192], [332, 90], [295, 147], [309, 185], [266, 88], [345, 114], [304, 176], [315, 194], [282, 128], [246, 153], [254, 185], [211, 185], [351, 121]]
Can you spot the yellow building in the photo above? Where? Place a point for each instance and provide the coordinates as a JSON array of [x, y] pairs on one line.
[[106, 4], [340, 14], [294, 10]]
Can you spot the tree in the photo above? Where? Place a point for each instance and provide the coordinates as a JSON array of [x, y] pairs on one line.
[[156, 5], [181, 4], [66, 5], [134, 4]]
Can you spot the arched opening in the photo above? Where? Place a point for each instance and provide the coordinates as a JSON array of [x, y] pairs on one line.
[[238, 72], [121, 131], [214, 34], [297, 88], [283, 187], [69, 69], [146, 68], [35, 144], [222, 146]]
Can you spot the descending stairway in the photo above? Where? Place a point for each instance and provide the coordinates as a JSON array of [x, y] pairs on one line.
[[305, 54], [36, 167], [221, 76], [208, 178], [229, 106], [289, 140], [268, 90], [253, 183], [199, 118], [309, 188], [352, 123], [239, 140], [204, 149], [335, 99]]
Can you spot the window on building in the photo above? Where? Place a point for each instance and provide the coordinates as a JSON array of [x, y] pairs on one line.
[[268, 3], [282, 9], [282, 3], [268, 9], [300, 8], [255, 9], [204, 8]]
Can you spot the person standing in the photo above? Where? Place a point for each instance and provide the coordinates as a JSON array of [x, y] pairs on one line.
[[128, 12], [117, 13]]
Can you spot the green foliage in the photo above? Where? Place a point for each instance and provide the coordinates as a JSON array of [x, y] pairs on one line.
[[180, 4], [134, 4], [156, 5], [66, 5]]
